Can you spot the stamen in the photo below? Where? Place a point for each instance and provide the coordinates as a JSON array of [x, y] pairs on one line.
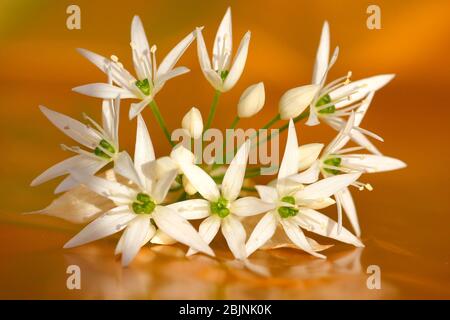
[[153, 52]]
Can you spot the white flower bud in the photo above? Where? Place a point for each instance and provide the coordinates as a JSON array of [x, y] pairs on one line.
[[251, 101], [193, 123], [296, 100], [188, 187], [308, 154]]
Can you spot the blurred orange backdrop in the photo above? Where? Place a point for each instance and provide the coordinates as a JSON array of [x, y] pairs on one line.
[[408, 212]]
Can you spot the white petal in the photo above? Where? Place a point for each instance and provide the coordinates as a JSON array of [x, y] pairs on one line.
[[267, 194], [145, 239], [111, 222], [181, 155], [201, 181], [162, 238], [191, 209], [238, 63], [202, 53], [104, 91], [138, 37], [179, 229], [322, 56], [124, 166], [295, 234], [98, 60], [308, 153], [143, 150], [78, 131], [162, 186], [169, 75], [115, 191], [318, 223], [234, 176], [86, 167], [363, 87], [234, 233], [373, 163], [223, 43], [110, 119], [175, 54], [136, 108], [59, 169], [250, 206], [135, 236], [362, 140], [308, 176], [326, 187], [263, 231], [214, 79], [362, 109], [321, 203], [289, 164], [208, 230], [346, 200]]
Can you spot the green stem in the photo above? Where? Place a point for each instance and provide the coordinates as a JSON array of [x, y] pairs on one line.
[[284, 127], [161, 122], [212, 110], [235, 122], [272, 121]]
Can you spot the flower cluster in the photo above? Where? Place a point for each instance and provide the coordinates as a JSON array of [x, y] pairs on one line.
[[154, 199]]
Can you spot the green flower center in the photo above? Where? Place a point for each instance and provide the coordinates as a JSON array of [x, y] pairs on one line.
[[335, 162], [286, 212], [220, 207], [323, 101], [143, 204], [144, 86], [224, 74], [104, 145]]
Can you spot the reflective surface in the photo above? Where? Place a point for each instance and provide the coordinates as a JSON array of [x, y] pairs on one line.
[[404, 220]]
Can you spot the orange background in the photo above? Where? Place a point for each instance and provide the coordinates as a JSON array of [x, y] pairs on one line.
[[404, 220]]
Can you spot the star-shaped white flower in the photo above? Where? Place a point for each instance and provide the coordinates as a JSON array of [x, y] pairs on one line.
[[103, 142], [222, 207], [150, 77], [293, 205], [140, 210], [337, 160], [221, 73], [338, 98]]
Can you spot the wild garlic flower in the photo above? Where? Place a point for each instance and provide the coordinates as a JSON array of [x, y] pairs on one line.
[[139, 210], [338, 98], [103, 142], [150, 77], [223, 74], [293, 205], [221, 206], [337, 160]]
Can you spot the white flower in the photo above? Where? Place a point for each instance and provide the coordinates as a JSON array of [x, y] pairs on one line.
[[293, 205], [223, 74], [193, 123], [336, 160], [251, 101], [103, 142], [338, 98], [150, 77], [138, 211], [296, 100], [222, 207]]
